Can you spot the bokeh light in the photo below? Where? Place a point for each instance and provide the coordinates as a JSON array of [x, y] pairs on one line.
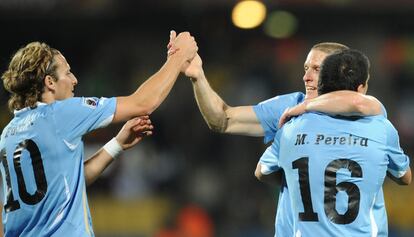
[[248, 14], [280, 24]]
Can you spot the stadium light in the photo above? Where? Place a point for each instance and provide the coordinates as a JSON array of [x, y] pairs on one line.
[[248, 14]]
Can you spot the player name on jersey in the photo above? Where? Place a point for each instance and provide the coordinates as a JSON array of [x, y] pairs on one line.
[[322, 139]]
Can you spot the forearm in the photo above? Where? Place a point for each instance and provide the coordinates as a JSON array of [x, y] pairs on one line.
[[151, 93], [345, 103], [404, 180], [96, 164], [211, 106]]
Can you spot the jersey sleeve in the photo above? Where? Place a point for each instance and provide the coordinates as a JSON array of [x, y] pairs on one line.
[[269, 112], [76, 116], [269, 161], [398, 161]]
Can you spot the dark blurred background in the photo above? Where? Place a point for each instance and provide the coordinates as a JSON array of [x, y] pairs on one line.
[[186, 178]]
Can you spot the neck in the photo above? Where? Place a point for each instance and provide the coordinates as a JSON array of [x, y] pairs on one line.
[[48, 98]]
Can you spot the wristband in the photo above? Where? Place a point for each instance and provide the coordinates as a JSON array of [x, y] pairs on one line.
[[113, 148]]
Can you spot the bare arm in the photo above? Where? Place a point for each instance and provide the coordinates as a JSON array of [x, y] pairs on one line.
[[153, 91], [131, 133], [347, 103], [404, 180], [222, 118], [351, 103], [219, 116]]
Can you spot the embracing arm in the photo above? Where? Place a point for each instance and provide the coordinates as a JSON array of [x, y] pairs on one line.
[[346, 103], [351, 103], [131, 133], [154, 90]]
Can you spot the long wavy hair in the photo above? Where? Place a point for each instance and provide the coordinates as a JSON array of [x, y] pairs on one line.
[[24, 78]]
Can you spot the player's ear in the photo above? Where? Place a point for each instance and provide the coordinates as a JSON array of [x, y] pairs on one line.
[[50, 83], [362, 88]]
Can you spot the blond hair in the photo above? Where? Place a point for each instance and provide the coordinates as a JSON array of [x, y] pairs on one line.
[[330, 47], [24, 78]]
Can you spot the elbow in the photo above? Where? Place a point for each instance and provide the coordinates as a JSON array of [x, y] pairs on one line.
[[88, 180], [257, 173], [219, 122], [218, 128], [366, 106], [148, 110], [404, 182], [217, 125], [145, 109], [359, 105], [258, 176], [407, 178]]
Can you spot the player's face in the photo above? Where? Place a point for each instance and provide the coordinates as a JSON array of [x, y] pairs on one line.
[[312, 68], [66, 81]]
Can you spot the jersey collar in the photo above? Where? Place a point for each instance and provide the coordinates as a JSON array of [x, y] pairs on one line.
[[38, 104]]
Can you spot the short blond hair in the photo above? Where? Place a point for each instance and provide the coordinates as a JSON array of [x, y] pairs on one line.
[[330, 47]]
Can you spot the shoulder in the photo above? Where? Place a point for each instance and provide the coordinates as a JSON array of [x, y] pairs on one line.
[[291, 98], [83, 102]]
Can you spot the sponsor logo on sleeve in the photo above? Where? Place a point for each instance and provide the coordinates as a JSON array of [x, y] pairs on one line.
[[90, 102]]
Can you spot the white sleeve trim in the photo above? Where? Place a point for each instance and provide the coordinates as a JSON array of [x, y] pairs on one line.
[[106, 121], [265, 170], [397, 174]]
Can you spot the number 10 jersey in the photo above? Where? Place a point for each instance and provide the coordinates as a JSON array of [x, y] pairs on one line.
[[42, 167]]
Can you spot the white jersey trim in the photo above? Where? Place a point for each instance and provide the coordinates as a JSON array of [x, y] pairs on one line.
[[374, 226]]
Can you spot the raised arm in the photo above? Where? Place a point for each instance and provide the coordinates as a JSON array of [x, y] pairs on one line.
[[131, 133], [347, 103], [154, 90], [219, 116]]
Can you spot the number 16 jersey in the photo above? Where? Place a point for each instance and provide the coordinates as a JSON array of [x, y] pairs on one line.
[[334, 168]]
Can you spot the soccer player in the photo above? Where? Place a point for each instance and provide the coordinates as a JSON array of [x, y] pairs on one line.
[[41, 147], [262, 119], [335, 166]]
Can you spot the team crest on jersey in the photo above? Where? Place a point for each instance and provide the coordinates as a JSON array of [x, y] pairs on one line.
[[90, 102]]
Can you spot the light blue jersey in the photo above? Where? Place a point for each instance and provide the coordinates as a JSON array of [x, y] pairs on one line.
[[269, 112], [334, 169], [42, 167]]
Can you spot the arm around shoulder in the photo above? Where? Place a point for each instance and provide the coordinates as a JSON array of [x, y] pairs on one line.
[[352, 103]]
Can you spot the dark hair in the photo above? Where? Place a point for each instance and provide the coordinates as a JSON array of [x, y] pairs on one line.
[[345, 70]]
